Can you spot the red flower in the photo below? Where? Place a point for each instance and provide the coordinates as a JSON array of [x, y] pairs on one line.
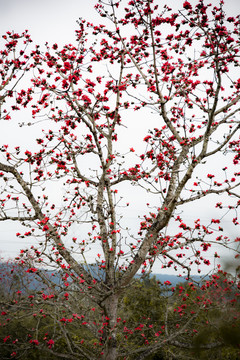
[[187, 5], [50, 343], [167, 283], [67, 65], [6, 338], [35, 342], [237, 84], [45, 228]]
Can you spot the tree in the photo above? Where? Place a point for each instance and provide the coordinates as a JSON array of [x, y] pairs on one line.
[[71, 187]]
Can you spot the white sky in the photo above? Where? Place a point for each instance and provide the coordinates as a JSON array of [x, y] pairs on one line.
[[55, 21]]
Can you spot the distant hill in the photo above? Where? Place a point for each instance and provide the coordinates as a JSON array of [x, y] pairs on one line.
[[174, 279], [13, 276]]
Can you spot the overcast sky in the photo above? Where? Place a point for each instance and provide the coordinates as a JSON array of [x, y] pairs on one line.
[[46, 20], [55, 21]]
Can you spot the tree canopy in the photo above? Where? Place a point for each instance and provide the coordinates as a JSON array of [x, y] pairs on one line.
[[133, 122]]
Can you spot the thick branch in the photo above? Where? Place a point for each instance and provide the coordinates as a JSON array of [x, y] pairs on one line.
[[52, 233]]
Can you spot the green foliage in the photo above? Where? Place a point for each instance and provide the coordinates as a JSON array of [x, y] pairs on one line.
[[145, 310], [144, 301]]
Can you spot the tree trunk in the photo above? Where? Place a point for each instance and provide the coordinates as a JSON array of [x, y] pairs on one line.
[[110, 348]]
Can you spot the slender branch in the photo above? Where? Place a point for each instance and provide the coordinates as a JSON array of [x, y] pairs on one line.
[[206, 193]]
